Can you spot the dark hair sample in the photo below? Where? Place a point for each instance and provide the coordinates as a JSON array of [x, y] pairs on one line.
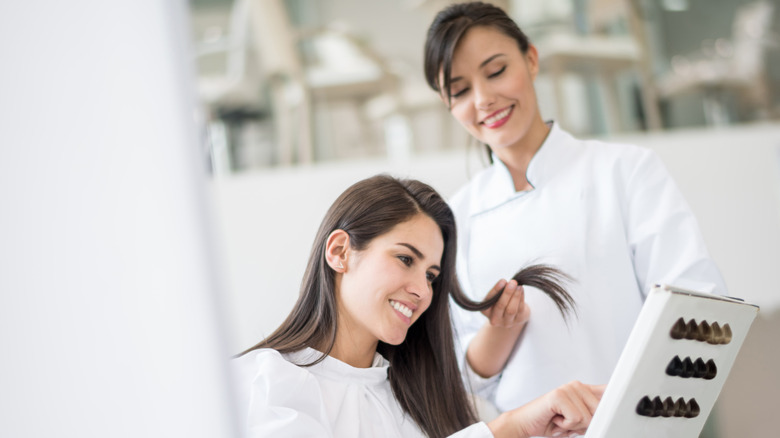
[[546, 278]]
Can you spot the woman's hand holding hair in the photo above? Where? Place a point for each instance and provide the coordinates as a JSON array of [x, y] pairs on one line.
[[490, 349], [564, 412], [510, 310]]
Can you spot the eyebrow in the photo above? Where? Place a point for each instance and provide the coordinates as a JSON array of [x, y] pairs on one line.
[[417, 253], [484, 63]]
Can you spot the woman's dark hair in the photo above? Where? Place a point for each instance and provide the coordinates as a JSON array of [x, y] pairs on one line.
[[447, 29], [423, 371]]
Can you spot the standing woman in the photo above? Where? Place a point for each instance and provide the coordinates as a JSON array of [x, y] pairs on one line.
[[609, 215], [367, 350]]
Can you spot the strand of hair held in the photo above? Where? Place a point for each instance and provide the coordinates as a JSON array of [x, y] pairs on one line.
[[546, 278]]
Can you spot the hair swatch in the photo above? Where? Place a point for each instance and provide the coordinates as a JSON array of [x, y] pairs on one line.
[[546, 278], [703, 332], [687, 368], [668, 408]]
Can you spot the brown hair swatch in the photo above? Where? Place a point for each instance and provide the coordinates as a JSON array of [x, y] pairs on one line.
[[546, 278]]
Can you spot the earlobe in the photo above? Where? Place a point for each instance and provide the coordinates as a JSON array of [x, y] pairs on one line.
[[337, 250]]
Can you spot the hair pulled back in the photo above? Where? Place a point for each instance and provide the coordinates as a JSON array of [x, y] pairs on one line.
[[447, 29]]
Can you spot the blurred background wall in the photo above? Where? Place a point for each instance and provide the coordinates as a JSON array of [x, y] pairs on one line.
[[301, 98], [307, 81]]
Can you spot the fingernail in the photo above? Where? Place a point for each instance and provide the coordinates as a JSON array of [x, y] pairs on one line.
[[557, 434]]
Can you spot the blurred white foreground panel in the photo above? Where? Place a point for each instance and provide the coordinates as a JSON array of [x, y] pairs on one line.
[[109, 323]]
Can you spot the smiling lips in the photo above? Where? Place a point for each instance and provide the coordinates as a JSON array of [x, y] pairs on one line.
[[407, 312], [498, 118]]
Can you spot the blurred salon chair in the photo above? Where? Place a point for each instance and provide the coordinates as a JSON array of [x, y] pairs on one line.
[[343, 74], [596, 58], [309, 83], [599, 55], [724, 66], [258, 74]]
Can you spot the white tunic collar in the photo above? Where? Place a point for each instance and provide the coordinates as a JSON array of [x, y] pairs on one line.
[[498, 181], [335, 369]]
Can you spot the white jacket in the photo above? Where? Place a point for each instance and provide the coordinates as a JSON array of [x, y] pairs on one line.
[[610, 216], [278, 398]]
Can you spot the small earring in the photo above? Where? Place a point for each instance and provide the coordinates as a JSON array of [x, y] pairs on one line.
[[341, 266]]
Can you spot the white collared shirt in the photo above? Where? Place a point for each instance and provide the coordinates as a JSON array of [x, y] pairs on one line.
[[610, 216], [278, 398]]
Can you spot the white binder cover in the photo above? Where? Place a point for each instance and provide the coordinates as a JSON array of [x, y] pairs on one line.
[[673, 367]]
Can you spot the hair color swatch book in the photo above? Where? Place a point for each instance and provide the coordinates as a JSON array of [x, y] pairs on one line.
[[673, 367]]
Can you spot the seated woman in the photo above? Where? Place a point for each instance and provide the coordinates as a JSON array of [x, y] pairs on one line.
[[368, 350]]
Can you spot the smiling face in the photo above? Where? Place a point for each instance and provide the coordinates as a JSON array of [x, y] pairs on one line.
[[492, 93], [387, 286]]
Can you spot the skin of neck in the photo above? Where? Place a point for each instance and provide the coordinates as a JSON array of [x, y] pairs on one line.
[[516, 157], [352, 347], [352, 350]]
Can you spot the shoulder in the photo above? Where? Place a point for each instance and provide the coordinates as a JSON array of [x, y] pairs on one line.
[[268, 371], [261, 360], [626, 154], [480, 179], [459, 202], [276, 397], [622, 163], [467, 195]]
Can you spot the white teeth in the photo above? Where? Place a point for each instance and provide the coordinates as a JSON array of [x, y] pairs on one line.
[[401, 308], [497, 117]]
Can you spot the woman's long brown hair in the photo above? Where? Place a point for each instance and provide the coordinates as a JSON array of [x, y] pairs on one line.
[[423, 372]]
